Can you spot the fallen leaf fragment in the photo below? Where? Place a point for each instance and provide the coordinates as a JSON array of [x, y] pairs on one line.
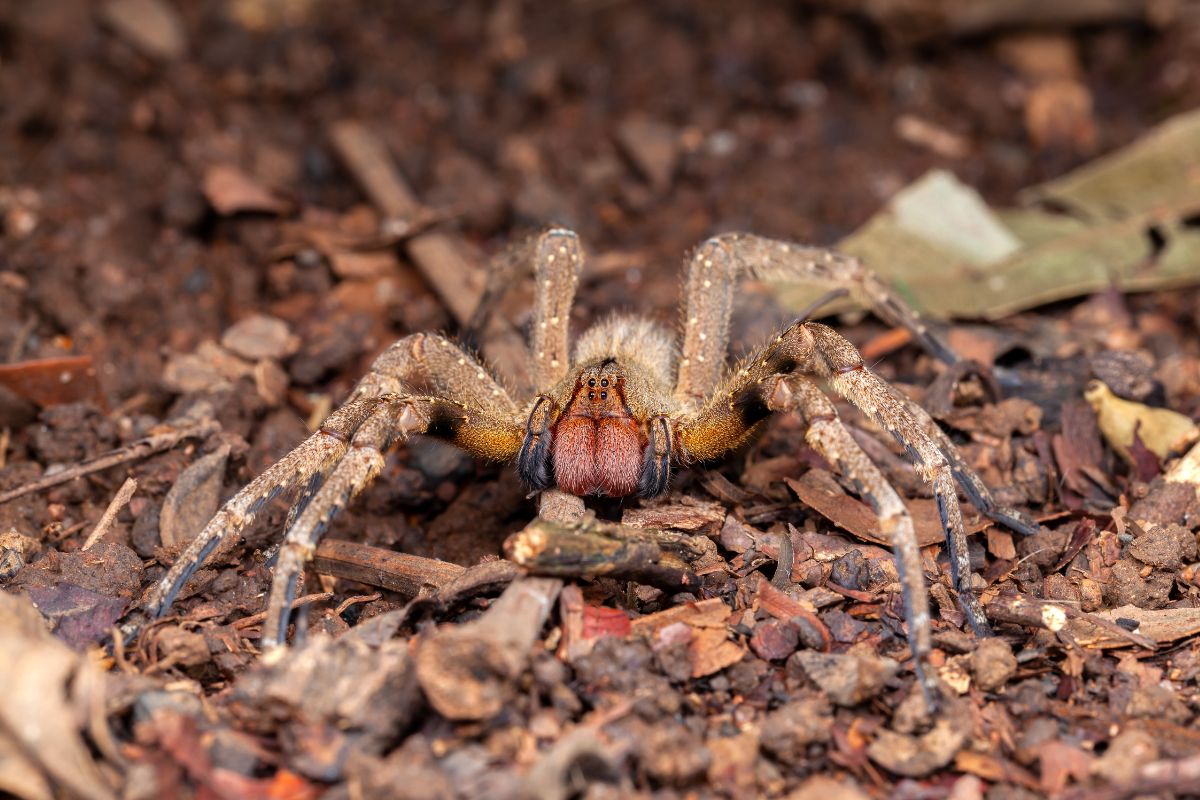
[[231, 191], [52, 381], [48, 689], [152, 26], [709, 647], [193, 499], [1162, 431]]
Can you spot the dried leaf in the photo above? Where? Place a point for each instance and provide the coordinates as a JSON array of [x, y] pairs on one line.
[[47, 682], [52, 381], [1162, 431], [817, 490], [231, 191], [78, 616], [152, 26], [193, 499], [1098, 236]]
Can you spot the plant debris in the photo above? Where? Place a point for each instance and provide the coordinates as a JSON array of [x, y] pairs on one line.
[[214, 216]]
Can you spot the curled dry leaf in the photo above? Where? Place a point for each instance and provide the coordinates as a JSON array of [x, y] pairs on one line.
[[49, 693]]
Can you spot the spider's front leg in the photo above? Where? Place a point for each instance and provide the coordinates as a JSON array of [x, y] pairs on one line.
[[712, 274], [465, 406], [826, 434]]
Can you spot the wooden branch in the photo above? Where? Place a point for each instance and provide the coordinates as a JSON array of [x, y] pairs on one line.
[[590, 548], [457, 283], [387, 569], [1053, 617], [154, 443]]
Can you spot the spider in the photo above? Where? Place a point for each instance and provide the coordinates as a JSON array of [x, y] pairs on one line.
[[622, 410]]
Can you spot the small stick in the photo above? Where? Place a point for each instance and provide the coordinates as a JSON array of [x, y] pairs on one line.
[[435, 254], [120, 499], [591, 548], [387, 569], [355, 600], [254, 619], [1053, 617], [154, 443]]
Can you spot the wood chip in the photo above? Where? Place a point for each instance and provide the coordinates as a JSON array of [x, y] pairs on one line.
[[152, 26], [231, 191]]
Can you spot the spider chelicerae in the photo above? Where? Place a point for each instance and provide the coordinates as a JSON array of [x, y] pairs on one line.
[[629, 404]]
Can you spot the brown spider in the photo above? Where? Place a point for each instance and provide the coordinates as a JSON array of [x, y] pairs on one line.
[[617, 414]]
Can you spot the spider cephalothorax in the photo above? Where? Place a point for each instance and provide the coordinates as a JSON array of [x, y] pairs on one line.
[[617, 413]]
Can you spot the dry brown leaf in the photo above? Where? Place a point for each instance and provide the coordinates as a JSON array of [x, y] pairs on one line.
[[50, 692], [1162, 431], [231, 191]]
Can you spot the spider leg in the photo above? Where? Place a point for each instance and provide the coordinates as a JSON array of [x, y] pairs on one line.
[[393, 418], [827, 435], [308, 461], [468, 408], [980, 495], [816, 350], [557, 261], [710, 280]]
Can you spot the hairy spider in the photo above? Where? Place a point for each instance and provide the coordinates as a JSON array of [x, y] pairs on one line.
[[622, 410]]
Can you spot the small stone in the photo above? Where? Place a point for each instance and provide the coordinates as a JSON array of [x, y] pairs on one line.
[[790, 729], [270, 382], [774, 640], [653, 147], [1158, 703], [993, 664], [848, 678], [1126, 753], [259, 336]]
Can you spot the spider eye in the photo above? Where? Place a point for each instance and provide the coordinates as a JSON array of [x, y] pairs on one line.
[[604, 395], [591, 395], [591, 381], [604, 382]]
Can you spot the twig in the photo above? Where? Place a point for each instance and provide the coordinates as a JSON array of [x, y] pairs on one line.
[[355, 600], [110, 514], [387, 569], [254, 619], [435, 254], [1178, 776], [591, 548], [1053, 617], [142, 448]]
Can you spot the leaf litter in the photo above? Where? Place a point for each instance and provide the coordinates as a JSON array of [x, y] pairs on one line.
[[752, 641]]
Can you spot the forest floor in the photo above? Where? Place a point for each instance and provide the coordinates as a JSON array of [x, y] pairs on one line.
[[197, 262]]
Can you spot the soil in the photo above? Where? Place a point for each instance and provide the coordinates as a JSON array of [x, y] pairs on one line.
[[192, 276]]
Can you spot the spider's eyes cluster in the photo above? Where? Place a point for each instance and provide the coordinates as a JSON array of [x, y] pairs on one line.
[[592, 384]]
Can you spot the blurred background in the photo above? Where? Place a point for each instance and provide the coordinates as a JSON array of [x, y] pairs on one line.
[[167, 169]]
